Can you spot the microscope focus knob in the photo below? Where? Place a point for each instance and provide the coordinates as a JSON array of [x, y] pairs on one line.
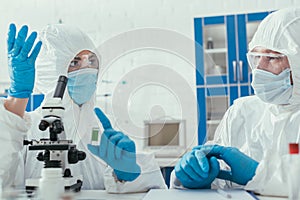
[[74, 155], [43, 125], [81, 155], [40, 157], [57, 126]]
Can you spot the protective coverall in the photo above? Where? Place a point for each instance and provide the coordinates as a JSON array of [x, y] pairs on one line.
[[60, 45], [263, 130]]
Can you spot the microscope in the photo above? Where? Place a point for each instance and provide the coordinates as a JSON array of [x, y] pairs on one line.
[[56, 151]]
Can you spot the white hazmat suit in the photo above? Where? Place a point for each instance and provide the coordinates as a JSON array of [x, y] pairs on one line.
[[61, 44], [263, 130]]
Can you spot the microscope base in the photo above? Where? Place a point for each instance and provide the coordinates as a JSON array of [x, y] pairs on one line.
[[71, 184]]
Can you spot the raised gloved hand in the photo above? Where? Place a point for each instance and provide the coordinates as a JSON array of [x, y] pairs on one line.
[[195, 170], [242, 166], [20, 63], [117, 150]]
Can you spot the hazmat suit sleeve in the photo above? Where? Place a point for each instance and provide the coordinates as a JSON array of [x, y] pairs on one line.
[[270, 177], [150, 177], [238, 128], [13, 129]]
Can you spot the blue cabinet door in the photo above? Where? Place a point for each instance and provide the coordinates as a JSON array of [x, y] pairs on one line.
[[235, 81], [207, 117], [205, 72], [201, 106], [232, 49], [242, 64], [199, 51]]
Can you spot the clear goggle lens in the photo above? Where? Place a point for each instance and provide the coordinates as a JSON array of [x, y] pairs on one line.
[[84, 61], [255, 59]]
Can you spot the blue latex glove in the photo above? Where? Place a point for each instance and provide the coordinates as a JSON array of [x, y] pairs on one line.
[[20, 63], [195, 170], [242, 166], [117, 150]]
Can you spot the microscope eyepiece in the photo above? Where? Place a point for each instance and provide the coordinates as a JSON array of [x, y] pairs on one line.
[[60, 87]]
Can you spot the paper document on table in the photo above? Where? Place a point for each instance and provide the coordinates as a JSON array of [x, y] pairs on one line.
[[174, 194], [103, 195]]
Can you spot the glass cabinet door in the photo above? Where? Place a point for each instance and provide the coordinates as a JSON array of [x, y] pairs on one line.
[[215, 50], [216, 106]]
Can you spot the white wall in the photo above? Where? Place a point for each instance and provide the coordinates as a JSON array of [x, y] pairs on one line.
[[156, 36]]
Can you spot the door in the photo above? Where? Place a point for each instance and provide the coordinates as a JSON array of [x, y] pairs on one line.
[[222, 71]]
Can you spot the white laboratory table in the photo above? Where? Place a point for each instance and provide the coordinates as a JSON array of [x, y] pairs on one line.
[[103, 195], [271, 198]]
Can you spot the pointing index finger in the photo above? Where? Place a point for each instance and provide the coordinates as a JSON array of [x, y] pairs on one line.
[[103, 119]]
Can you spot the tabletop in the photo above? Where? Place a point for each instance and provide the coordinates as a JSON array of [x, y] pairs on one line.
[[103, 195]]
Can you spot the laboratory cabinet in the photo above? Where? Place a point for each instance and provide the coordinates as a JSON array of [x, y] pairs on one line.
[[222, 71]]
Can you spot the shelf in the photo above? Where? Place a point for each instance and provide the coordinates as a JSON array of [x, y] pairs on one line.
[[217, 75], [219, 50], [213, 122]]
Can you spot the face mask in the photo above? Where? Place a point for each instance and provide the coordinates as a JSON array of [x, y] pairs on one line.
[[272, 88], [82, 84]]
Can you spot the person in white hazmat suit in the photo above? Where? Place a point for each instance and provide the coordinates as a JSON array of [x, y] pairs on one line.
[[250, 147], [65, 50]]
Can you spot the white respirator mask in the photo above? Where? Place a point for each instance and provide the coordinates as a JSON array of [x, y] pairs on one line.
[[272, 88]]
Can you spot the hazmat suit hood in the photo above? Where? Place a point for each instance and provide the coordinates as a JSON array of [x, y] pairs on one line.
[[61, 43], [279, 32]]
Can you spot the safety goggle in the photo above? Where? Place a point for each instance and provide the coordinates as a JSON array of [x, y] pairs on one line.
[[256, 59], [84, 61]]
